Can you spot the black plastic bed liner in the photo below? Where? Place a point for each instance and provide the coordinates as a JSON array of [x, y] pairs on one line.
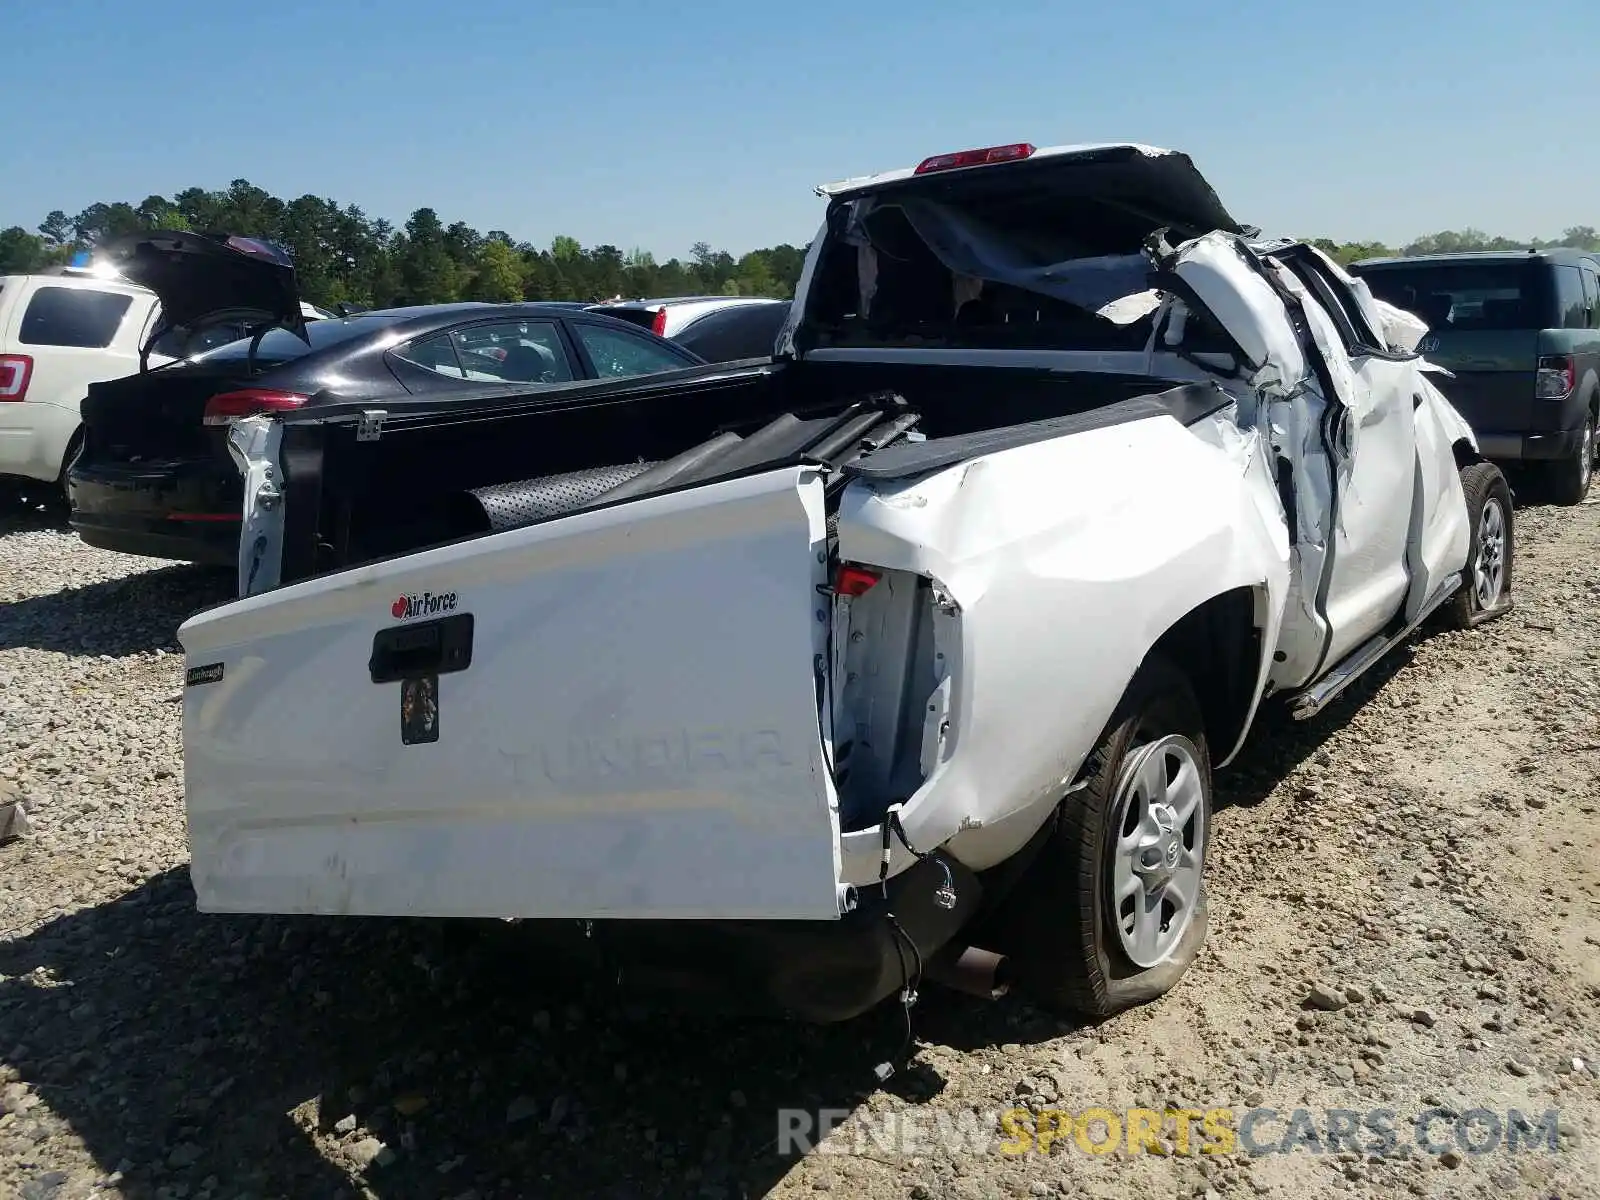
[[1186, 403], [867, 440], [832, 441]]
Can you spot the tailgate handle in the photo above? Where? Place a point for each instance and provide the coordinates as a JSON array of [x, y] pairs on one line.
[[436, 647]]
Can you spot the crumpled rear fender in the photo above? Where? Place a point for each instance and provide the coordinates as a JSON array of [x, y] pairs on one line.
[[1068, 560], [1450, 420]]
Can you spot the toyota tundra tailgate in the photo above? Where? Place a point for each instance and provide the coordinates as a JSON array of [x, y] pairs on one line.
[[612, 714]]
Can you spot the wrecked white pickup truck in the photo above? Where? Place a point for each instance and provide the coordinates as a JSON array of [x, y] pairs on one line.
[[908, 652]]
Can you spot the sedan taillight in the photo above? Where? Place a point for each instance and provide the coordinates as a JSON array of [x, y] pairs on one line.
[[228, 407]]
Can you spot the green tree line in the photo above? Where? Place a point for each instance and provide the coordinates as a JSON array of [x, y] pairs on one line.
[[342, 255], [1457, 241]]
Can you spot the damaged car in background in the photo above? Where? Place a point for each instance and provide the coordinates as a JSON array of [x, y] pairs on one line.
[[907, 654]]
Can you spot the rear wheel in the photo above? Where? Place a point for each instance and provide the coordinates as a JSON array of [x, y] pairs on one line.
[[1486, 589], [1570, 478], [73, 449], [1114, 910]]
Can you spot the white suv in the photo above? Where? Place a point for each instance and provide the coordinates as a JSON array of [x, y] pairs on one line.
[[59, 334]]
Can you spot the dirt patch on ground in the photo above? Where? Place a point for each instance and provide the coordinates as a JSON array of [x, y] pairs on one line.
[[1405, 948]]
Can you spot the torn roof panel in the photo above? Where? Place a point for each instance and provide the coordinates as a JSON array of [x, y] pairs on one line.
[[863, 183]]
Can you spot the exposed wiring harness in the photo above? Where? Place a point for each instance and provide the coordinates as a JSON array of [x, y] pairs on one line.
[[910, 981]]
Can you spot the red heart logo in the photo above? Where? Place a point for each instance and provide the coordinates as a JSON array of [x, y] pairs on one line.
[[398, 608]]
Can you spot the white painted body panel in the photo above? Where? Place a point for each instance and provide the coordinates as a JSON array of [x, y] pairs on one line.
[[36, 433], [624, 744], [1381, 517], [1373, 466], [1068, 559], [1441, 532]]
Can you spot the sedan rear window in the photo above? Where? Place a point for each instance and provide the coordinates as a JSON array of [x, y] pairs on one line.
[[80, 317], [617, 355], [279, 345], [1469, 295]]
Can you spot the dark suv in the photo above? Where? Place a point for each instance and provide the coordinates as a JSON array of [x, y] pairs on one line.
[[1521, 334]]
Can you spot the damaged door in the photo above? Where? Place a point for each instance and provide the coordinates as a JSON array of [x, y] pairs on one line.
[[611, 714], [1436, 533], [1372, 439], [1343, 441]]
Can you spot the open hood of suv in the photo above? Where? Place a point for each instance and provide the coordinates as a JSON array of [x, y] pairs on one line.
[[204, 278]]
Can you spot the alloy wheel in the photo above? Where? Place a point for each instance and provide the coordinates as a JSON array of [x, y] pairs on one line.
[[1156, 863]]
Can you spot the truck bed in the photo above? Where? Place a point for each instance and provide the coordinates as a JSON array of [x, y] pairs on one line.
[[437, 474]]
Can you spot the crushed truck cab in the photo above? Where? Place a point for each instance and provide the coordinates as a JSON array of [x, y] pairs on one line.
[[802, 678]]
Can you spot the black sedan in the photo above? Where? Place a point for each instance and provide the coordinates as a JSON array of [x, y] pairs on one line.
[[155, 476]]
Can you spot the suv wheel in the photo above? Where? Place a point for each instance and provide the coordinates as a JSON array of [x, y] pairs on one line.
[[1572, 476], [1113, 910]]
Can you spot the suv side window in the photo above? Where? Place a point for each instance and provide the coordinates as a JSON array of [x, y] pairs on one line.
[[1569, 298], [1591, 294], [79, 317]]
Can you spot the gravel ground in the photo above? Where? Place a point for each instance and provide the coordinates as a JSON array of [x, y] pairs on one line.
[[1405, 916]]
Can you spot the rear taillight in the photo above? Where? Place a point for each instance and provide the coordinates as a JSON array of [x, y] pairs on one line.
[[228, 407], [1556, 377], [851, 580], [15, 371], [659, 325]]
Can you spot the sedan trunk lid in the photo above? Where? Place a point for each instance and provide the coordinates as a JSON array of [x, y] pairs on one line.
[[204, 279]]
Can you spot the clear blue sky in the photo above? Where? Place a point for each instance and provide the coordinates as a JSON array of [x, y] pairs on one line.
[[643, 123]]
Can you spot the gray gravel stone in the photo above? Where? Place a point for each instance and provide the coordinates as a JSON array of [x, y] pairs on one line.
[[134, 1028], [365, 1152], [1326, 997]]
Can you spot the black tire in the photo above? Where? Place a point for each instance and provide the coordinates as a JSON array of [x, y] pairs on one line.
[[1570, 478], [73, 447], [1486, 490], [1059, 923]]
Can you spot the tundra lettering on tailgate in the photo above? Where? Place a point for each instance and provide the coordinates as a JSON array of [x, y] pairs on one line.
[[427, 604], [648, 761]]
